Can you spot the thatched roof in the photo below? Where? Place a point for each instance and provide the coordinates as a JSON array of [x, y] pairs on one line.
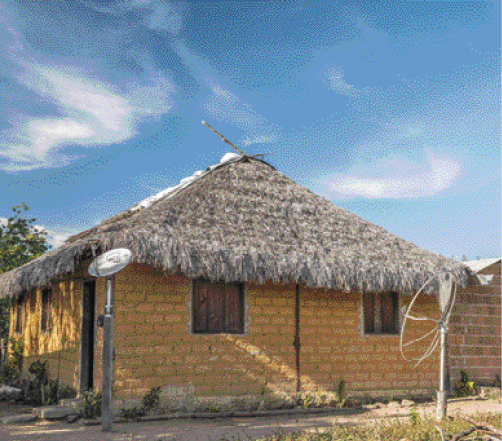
[[243, 220]]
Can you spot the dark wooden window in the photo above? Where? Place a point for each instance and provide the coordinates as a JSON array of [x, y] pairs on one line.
[[18, 328], [381, 314], [218, 307], [45, 313], [369, 313], [389, 313]]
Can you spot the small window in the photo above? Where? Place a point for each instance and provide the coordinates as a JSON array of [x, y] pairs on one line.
[[45, 315], [18, 328], [381, 313], [218, 307]]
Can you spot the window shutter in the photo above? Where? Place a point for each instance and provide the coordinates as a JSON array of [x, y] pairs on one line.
[[46, 313], [369, 313], [216, 307], [200, 305], [234, 308], [389, 306], [19, 314]]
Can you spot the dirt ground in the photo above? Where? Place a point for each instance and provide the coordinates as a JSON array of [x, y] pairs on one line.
[[223, 428]]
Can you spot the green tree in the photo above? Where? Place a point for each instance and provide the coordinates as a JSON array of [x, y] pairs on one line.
[[20, 242]]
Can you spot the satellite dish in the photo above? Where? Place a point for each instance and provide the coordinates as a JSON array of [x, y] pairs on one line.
[[110, 262], [446, 289]]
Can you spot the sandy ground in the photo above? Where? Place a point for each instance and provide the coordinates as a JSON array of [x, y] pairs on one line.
[[226, 428]]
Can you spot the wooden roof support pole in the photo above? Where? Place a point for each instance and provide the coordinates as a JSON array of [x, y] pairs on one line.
[[296, 341], [225, 139]]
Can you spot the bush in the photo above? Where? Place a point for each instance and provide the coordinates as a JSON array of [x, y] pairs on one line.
[[149, 402], [91, 407], [9, 374], [66, 392], [341, 394], [40, 390], [464, 387], [132, 414], [17, 349]]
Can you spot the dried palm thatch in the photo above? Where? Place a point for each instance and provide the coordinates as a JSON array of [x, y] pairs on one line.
[[246, 221]]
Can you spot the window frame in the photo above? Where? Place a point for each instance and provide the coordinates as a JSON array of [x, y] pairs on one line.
[[224, 329], [18, 316], [377, 314], [46, 311]]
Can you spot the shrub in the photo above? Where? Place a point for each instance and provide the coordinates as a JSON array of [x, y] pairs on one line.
[[132, 414], [91, 407], [17, 349], [149, 402], [66, 392], [341, 394], [9, 373], [414, 416], [464, 387]]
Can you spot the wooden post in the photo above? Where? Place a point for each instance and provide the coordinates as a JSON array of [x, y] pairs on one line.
[[225, 139], [107, 403], [296, 342]]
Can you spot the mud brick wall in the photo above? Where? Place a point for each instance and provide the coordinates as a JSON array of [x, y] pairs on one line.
[[155, 345], [60, 346]]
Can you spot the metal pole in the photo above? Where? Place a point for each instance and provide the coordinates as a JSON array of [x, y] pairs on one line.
[[441, 395], [107, 403]]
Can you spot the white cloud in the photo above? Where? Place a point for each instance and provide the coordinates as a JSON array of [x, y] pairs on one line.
[[53, 238], [335, 79], [92, 113], [396, 177]]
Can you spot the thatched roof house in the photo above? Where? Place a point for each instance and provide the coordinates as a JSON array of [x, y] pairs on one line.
[[242, 281], [242, 220]]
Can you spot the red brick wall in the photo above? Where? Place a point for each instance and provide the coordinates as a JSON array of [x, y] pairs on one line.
[[475, 333]]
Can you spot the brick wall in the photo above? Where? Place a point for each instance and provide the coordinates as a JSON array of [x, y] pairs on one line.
[[155, 345], [474, 335], [61, 346]]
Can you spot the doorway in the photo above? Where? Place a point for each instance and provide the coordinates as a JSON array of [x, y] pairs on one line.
[[87, 338]]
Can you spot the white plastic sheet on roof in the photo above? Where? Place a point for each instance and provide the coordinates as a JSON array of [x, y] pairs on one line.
[[185, 182]]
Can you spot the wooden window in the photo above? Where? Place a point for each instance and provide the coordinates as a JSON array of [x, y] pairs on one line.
[[18, 328], [45, 313], [218, 307], [381, 313], [369, 313], [389, 313]]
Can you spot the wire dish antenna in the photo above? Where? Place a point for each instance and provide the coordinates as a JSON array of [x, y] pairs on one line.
[[445, 285]]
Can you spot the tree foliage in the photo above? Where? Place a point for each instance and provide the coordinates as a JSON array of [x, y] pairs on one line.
[[20, 242]]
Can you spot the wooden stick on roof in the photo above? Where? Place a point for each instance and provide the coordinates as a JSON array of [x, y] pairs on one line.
[[225, 139]]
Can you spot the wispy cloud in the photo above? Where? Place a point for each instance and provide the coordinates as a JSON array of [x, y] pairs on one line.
[[83, 105], [91, 113], [397, 177], [334, 77], [223, 104], [157, 15]]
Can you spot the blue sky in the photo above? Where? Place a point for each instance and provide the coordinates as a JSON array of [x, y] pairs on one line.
[[390, 110]]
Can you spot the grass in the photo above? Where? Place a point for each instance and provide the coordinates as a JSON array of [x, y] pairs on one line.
[[415, 429]]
